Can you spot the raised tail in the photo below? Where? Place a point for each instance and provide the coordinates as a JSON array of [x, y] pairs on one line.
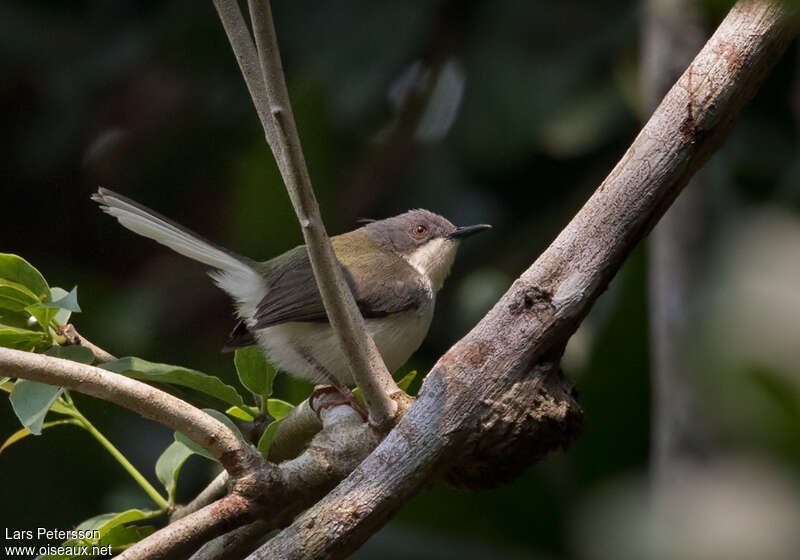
[[237, 274]]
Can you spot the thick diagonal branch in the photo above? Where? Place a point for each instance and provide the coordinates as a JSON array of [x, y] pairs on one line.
[[469, 403]]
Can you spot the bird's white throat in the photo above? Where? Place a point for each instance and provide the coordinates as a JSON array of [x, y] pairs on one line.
[[434, 260]]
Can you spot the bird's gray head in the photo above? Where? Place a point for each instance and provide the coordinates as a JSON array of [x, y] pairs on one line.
[[426, 240]]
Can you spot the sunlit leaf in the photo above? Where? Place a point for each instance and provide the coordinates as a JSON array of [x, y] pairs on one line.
[[16, 269], [359, 397], [44, 315], [14, 296], [122, 536], [25, 432], [179, 437], [278, 408], [143, 370], [169, 466], [406, 381], [254, 371], [240, 413], [107, 521], [22, 339], [111, 532], [61, 408], [31, 401]]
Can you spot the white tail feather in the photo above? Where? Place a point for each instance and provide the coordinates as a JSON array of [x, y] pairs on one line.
[[234, 276]]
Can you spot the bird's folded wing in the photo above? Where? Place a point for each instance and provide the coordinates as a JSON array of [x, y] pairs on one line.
[[382, 283]]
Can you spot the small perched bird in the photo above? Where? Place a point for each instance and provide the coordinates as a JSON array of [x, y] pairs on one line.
[[394, 268]]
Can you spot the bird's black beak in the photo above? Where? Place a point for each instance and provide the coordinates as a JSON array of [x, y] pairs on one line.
[[466, 231]]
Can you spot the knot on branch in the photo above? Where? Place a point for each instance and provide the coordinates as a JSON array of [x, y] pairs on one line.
[[535, 415], [531, 299], [257, 475]]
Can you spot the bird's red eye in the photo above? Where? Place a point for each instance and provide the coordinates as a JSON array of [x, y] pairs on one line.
[[420, 230]]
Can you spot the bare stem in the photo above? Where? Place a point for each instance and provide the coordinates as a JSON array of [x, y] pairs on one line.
[[214, 491], [365, 362], [122, 460], [245, 52], [71, 334], [236, 544], [294, 432]]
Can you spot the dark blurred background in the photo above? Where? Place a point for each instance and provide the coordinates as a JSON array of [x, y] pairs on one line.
[[503, 112]]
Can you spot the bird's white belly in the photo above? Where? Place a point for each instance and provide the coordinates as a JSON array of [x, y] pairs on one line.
[[290, 345]]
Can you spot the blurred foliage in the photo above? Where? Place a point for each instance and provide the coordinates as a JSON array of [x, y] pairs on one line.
[[145, 97]]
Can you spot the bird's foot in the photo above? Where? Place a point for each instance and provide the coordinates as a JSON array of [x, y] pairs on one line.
[[330, 396]]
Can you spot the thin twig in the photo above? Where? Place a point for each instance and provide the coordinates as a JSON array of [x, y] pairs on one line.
[[236, 544], [214, 491], [73, 337], [245, 52], [365, 361], [206, 431], [294, 432]]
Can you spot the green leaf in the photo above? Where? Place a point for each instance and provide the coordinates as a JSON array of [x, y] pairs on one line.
[[107, 521], [165, 373], [254, 371], [359, 397], [25, 432], [18, 270], [68, 301], [278, 408], [62, 408], [79, 354], [63, 315], [18, 319], [265, 442], [111, 532], [22, 339], [169, 466], [31, 401], [59, 406], [60, 309], [14, 296], [179, 437], [122, 536], [240, 413], [406, 381], [44, 315]]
